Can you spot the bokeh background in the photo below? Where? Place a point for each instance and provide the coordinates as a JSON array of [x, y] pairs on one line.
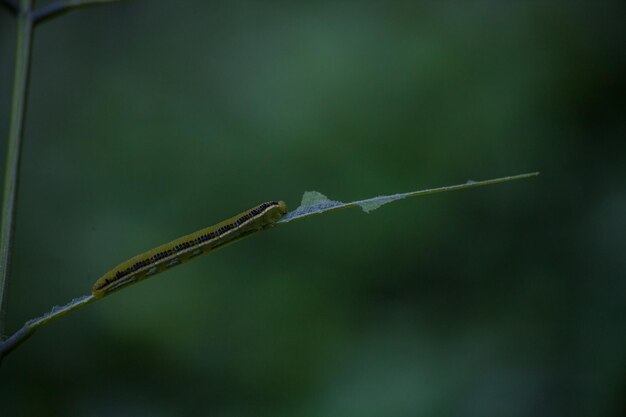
[[148, 120]]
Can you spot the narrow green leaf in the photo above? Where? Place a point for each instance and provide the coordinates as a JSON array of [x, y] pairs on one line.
[[314, 203]]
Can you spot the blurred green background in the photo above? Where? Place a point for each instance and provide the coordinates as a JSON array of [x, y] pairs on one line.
[[148, 120]]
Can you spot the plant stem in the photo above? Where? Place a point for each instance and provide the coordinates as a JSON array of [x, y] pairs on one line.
[[14, 145], [32, 326]]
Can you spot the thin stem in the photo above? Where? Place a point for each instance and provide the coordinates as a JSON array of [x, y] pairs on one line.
[[32, 326], [16, 130], [59, 7]]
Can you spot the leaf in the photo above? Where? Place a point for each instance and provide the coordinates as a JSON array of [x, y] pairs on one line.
[[314, 203]]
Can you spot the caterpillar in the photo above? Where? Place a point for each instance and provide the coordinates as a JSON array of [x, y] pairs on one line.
[[187, 247]]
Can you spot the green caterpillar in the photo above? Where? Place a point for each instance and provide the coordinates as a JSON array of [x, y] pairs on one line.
[[187, 247]]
